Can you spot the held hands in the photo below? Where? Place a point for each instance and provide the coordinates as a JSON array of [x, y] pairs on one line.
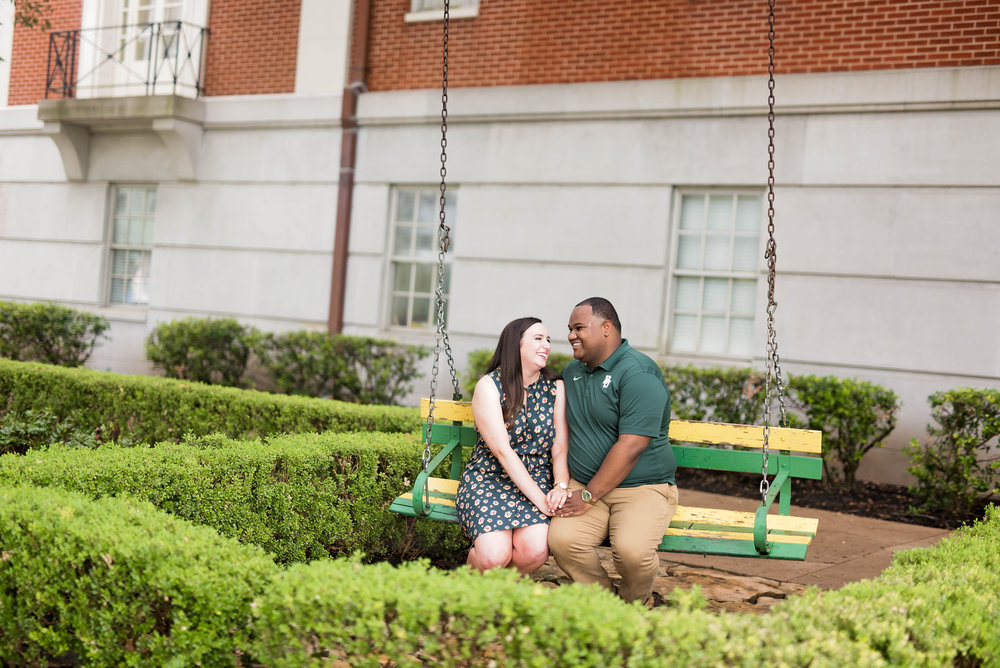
[[572, 506], [555, 500]]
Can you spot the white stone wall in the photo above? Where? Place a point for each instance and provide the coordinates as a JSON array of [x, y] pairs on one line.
[[887, 199]]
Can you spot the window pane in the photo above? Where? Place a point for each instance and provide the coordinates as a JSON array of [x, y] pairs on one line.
[[403, 244], [118, 262], [713, 335], [134, 265], [685, 332], [398, 312], [689, 252], [717, 255], [748, 214], [692, 212], [421, 312], [401, 276], [716, 297], [688, 297], [119, 236], [138, 202], [426, 239], [137, 293], [745, 253], [135, 232], [150, 204], [117, 291], [121, 203], [744, 296], [424, 279], [405, 206], [428, 207], [740, 336], [720, 212], [147, 235]]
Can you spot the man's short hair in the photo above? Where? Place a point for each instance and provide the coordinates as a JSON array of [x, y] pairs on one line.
[[602, 308]]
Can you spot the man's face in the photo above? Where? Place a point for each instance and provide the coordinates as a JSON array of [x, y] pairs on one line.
[[587, 336]]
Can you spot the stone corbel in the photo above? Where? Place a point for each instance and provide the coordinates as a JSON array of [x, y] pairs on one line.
[[183, 141], [73, 142]]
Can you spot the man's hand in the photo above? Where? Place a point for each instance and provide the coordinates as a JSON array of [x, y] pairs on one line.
[[574, 506]]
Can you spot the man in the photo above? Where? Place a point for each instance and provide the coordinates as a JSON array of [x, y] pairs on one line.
[[620, 460]]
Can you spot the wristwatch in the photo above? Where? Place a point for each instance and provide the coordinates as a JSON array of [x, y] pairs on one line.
[[587, 497], [562, 485]]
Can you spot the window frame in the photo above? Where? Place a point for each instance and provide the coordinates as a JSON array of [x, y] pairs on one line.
[[458, 9], [111, 246], [389, 293], [676, 273]]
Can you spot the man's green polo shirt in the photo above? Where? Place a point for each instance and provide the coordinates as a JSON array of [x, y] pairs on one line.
[[626, 394]]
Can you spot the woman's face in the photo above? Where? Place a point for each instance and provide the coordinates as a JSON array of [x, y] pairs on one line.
[[535, 347]]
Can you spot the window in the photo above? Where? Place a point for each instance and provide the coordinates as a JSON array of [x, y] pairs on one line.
[[414, 252], [433, 10], [131, 245], [715, 274]]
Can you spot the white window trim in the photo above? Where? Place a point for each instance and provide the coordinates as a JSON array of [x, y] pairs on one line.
[[109, 247], [391, 258], [464, 11], [672, 272]]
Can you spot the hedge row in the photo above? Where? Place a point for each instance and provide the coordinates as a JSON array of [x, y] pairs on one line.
[[144, 409], [50, 333], [300, 497], [116, 582]]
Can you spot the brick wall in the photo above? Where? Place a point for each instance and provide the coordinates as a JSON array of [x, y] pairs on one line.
[[515, 42], [252, 47], [30, 52]]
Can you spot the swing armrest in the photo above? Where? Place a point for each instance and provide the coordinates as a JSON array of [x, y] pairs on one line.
[[760, 519], [421, 482]]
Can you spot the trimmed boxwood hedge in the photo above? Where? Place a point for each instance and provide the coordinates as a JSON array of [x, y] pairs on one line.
[[115, 582], [145, 409], [932, 607], [299, 496]]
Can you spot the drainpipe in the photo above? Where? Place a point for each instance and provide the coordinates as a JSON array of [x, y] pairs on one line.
[[357, 76]]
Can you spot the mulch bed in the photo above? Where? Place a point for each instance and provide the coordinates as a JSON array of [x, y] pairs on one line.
[[885, 502]]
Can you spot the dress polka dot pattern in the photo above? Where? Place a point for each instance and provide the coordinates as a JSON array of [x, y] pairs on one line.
[[488, 500]]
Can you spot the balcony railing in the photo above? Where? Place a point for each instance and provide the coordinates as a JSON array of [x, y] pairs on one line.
[[146, 59]]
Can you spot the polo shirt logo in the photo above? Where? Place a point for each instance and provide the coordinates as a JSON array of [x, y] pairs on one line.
[[607, 381]]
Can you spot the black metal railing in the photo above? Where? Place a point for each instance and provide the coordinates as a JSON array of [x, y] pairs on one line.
[[145, 59]]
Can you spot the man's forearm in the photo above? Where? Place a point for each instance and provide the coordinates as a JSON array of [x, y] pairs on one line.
[[618, 463]]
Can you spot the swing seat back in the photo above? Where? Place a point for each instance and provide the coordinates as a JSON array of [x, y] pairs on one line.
[[793, 453]]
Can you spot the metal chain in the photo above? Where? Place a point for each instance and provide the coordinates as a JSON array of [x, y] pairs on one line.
[[772, 360], [444, 242]]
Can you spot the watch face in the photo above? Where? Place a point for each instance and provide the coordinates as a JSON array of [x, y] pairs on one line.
[[586, 496]]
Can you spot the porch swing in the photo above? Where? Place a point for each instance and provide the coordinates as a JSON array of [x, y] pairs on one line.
[[779, 451]]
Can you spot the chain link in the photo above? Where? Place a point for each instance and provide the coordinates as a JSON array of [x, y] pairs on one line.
[[772, 361], [444, 242]]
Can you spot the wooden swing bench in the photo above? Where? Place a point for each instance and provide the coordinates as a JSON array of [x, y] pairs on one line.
[[693, 530]]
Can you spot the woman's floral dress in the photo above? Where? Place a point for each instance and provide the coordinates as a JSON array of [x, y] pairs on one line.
[[488, 500]]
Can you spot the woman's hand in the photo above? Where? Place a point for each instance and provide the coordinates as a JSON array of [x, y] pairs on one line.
[[556, 498]]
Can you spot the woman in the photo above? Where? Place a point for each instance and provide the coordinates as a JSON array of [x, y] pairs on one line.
[[506, 494]]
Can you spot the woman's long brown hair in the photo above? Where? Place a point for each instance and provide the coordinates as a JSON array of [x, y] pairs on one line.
[[507, 358]]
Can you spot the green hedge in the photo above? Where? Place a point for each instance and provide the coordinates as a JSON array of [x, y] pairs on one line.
[[299, 497], [932, 607], [49, 333], [116, 582], [144, 409], [961, 463]]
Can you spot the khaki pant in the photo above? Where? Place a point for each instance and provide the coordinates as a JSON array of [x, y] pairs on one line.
[[633, 519]]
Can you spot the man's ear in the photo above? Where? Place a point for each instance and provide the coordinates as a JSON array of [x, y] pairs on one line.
[[606, 328]]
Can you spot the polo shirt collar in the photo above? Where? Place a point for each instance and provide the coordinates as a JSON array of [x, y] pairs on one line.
[[609, 364]]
